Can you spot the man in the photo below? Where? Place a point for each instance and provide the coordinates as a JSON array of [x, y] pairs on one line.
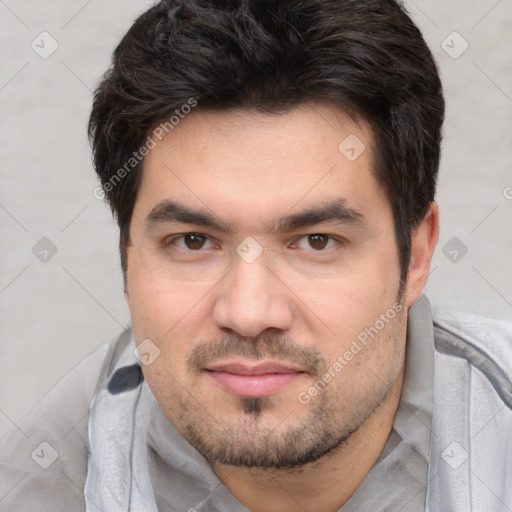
[[272, 169]]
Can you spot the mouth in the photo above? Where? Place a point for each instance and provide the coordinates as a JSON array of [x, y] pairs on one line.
[[250, 380]]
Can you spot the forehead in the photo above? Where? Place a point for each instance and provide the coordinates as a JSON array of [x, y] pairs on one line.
[[259, 165]]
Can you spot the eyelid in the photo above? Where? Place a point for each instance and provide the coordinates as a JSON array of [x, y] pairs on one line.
[[338, 240], [171, 239]]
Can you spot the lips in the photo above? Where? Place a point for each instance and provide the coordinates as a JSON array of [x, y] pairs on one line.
[[251, 380]]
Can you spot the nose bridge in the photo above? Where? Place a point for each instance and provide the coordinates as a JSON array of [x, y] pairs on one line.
[[251, 283], [252, 299]]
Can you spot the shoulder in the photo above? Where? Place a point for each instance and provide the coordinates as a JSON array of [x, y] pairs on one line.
[[485, 344], [43, 459], [472, 413]]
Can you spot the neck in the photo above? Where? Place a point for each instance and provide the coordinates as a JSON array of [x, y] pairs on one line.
[[325, 485]]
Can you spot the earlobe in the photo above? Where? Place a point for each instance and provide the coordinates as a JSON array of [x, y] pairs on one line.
[[423, 243]]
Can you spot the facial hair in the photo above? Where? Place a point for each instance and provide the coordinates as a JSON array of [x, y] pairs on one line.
[[253, 441]]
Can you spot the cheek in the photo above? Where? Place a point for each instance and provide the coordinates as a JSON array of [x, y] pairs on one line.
[[354, 299], [348, 311], [168, 315], [159, 308]]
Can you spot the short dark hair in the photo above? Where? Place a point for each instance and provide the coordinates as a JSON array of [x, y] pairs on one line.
[[365, 56]]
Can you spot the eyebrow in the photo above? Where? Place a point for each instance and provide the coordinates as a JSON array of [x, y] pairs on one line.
[[332, 211], [171, 211], [336, 211]]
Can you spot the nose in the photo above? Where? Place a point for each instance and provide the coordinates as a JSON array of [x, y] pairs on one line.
[[251, 298]]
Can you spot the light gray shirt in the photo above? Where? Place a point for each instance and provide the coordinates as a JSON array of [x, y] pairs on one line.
[[450, 448]]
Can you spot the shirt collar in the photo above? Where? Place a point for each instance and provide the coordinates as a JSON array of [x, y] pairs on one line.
[[413, 421]]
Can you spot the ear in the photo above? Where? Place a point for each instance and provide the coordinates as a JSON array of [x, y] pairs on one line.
[[423, 243]]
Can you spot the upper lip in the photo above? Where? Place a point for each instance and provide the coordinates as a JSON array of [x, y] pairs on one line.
[[240, 368]]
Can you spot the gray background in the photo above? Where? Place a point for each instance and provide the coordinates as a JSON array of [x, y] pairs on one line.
[[54, 312]]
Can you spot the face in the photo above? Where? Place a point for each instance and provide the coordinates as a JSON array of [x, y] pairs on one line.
[[264, 272]]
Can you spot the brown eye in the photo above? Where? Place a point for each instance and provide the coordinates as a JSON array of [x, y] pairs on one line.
[[318, 242], [193, 241]]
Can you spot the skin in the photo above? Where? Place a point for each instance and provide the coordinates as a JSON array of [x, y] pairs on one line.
[[298, 302]]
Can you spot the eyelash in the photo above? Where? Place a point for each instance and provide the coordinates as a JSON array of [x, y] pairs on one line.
[[171, 241]]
